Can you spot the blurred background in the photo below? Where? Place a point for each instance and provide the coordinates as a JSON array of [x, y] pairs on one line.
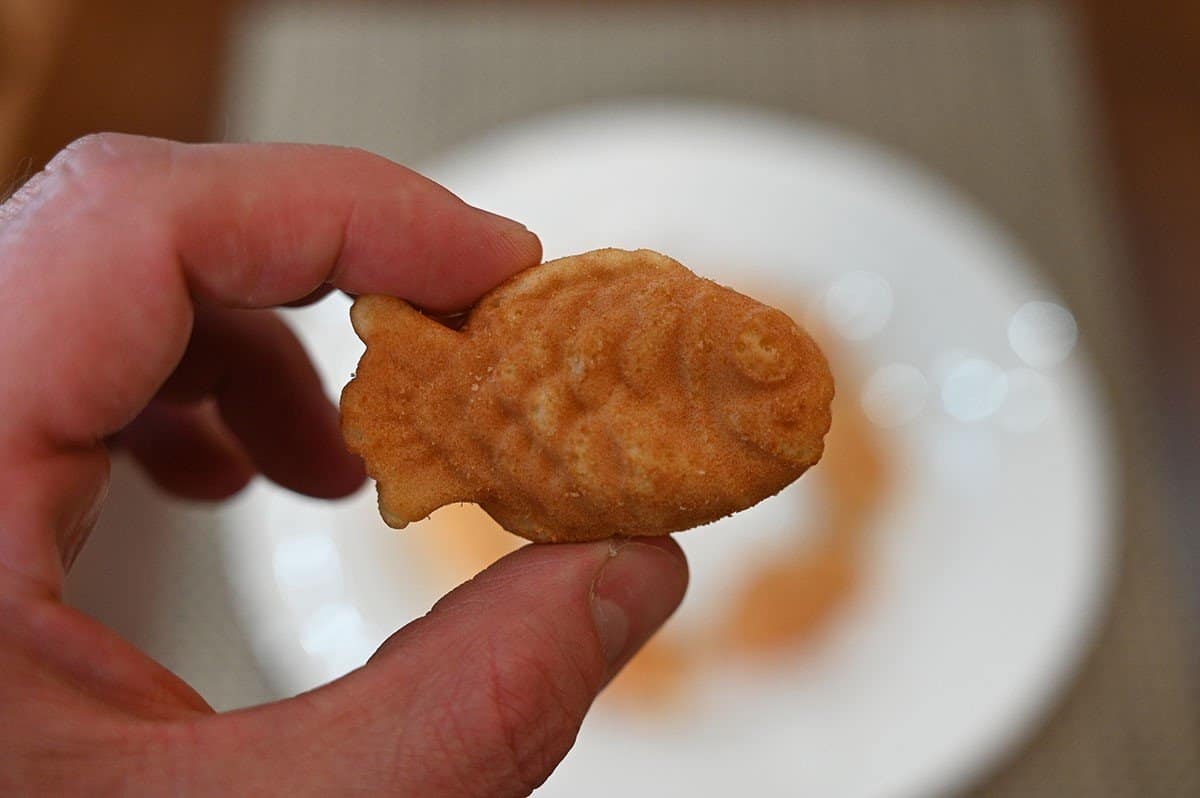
[[1073, 126]]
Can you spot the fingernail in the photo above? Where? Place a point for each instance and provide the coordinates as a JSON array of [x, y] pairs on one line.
[[635, 591], [501, 221]]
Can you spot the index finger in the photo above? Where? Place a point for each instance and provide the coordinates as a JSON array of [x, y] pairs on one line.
[[103, 254]]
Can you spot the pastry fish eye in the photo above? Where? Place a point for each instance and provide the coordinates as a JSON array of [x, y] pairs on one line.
[[764, 349]]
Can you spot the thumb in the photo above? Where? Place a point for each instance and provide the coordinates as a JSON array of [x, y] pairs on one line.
[[482, 697]]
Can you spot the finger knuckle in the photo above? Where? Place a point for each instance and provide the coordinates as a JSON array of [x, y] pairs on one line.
[[99, 164], [89, 152], [75, 178]]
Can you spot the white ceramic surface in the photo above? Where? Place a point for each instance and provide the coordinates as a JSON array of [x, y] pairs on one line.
[[988, 568]]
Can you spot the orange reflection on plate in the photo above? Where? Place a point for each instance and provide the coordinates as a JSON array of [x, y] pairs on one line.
[[788, 600]]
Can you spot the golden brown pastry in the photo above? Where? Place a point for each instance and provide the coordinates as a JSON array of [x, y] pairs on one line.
[[608, 393]]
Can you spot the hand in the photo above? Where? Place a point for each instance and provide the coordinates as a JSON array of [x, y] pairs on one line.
[[127, 271]]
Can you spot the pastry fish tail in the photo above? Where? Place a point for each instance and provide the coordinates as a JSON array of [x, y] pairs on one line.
[[385, 407]]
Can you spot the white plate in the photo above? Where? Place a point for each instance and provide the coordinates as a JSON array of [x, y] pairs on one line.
[[987, 570]]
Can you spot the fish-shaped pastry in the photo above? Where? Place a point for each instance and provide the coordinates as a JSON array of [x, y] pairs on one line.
[[608, 393]]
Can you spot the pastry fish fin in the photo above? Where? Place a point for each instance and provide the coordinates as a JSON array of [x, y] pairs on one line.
[[413, 495], [400, 326]]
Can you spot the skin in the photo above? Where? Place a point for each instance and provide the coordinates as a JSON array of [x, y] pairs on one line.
[[131, 273]]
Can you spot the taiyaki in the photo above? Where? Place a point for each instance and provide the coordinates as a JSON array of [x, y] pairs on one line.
[[608, 393]]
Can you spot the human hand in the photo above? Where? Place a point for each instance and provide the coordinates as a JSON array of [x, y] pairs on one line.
[[127, 273]]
